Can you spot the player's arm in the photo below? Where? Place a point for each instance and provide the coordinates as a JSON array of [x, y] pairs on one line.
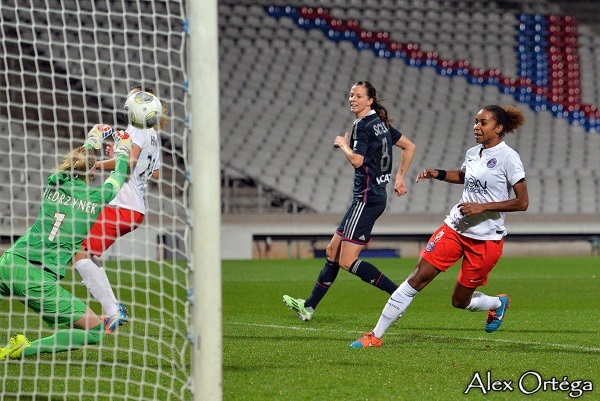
[[517, 204], [115, 181], [408, 152], [451, 176], [343, 144], [134, 156], [109, 164]]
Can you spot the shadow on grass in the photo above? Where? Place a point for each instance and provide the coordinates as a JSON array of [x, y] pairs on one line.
[[470, 330], [412, 336], [494, 344]]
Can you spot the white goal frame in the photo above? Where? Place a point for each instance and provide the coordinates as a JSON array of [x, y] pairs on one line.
[[68, 65], [203, 69]]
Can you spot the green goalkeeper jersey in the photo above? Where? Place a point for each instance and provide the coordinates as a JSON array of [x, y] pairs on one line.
[[69, 208]]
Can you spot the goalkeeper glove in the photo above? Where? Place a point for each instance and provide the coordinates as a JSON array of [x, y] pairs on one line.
[[96, 135], [122, 143]]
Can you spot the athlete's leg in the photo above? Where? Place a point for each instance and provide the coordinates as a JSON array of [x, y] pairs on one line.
[[111, 224], [463, 296], [327, 275], [364, 270], [399, 301], [474, 301], [88, 330], [94, 278], [102, 235], [480, 257], [441, 252]]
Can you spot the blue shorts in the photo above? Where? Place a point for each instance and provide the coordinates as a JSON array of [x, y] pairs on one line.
[[358, 222]]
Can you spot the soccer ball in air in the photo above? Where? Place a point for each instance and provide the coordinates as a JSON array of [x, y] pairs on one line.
[[143, 109]]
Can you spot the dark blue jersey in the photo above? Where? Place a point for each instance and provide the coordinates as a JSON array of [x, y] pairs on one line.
[[373, 140]]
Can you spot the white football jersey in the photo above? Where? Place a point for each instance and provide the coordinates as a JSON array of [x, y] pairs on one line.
[[489, 177], [132, 194]]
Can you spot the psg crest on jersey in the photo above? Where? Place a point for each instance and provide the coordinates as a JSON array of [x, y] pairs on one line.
[[492, 163]]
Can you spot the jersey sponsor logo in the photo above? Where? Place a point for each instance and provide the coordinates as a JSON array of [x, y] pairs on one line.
[[492, 163], [66, 200], [476, 186], [383, 178], [430, 246]]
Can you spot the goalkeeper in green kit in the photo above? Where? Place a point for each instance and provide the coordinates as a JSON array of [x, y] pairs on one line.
[[30, 270]]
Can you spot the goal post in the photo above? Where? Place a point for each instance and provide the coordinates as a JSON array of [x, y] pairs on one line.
[[206, 200], [65, 66]]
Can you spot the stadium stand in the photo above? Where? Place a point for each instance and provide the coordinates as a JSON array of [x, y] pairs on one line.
[[298, 113], [285, 70], [435, 63]]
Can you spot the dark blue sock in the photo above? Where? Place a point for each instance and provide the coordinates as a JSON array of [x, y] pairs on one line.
[[370, 274], [326, 278]]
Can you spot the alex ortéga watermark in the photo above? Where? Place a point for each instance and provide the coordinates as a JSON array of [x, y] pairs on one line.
[[530, 382]]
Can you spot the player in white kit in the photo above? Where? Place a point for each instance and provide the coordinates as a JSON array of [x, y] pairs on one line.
[[474, 229], [123, 215]]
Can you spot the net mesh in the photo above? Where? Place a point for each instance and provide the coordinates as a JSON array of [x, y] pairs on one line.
[[65, 67]]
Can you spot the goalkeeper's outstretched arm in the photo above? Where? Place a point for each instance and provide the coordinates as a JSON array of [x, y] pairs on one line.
[[115, 181], [122, 149]]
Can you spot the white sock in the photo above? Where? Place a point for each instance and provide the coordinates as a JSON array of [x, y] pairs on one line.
[[481, 302], [93, 276], [395, 307]]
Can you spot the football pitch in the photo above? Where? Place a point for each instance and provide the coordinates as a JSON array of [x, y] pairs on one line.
[[547, 349], [434, 352]]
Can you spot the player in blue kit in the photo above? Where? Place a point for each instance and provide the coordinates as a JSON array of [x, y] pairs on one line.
[[369, 149]]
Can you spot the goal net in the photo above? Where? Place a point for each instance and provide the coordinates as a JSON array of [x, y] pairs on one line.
[[65, 66]]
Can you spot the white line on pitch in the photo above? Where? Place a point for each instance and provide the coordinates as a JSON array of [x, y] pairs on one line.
[[499, 340]]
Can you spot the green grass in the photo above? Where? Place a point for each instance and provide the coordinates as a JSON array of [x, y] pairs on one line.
[[431, 353], [147, 359]]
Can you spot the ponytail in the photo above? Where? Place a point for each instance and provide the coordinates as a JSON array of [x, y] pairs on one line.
[[379, 108]]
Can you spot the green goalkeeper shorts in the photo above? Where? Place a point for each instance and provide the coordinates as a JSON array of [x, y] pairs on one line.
[[39, 290]]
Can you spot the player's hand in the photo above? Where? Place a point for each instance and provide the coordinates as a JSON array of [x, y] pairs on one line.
[[109, 150], [400, 186], [470, 208], [340, 141], [122, 143], [427, 174], [94, 136]]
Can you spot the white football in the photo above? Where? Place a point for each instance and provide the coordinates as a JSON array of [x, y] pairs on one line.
[[143, 109]]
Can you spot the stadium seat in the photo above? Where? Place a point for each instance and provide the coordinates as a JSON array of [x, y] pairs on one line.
[[314, 108]]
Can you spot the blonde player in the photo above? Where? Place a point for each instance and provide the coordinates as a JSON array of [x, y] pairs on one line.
[[124, 214], [32, 268], [474, 230]]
